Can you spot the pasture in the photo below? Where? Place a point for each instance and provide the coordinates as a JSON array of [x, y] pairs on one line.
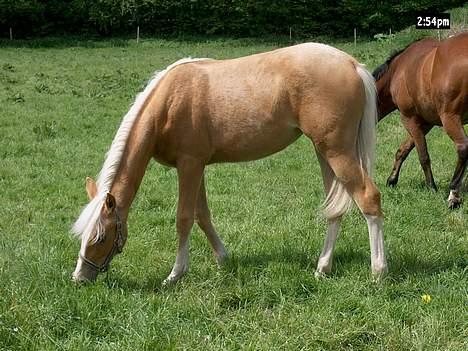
[[61, 103]]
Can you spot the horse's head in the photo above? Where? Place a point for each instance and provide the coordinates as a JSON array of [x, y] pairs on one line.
[[103, 241]]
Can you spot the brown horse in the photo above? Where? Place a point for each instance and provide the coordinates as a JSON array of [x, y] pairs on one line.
[[428, 82], [198, 112]]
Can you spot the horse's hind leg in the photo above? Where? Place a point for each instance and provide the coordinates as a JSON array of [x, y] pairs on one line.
[[325, 261], [454, 128], [366, 195], [190, 172], [203, 219]]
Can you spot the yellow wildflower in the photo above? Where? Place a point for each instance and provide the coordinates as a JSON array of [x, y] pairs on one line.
[[426, 298]]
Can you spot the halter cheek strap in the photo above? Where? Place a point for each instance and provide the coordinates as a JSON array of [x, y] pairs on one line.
[[117, 246]]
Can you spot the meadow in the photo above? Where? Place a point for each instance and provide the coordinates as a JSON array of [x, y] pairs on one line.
[[61, 101]]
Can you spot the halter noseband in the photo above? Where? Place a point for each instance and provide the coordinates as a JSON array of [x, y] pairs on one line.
[[117, 246]]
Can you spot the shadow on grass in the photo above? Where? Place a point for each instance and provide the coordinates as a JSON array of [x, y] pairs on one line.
[[406, 266], [402, 266]]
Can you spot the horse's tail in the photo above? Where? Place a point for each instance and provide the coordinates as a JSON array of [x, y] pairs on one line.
[[338, 200]]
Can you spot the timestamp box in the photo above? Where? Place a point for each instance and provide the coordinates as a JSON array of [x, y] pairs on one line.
[[433, 21]]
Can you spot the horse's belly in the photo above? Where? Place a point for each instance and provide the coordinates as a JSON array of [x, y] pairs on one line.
[[249, 143]]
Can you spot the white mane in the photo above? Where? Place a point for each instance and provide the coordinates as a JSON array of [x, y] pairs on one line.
[[84, 225]]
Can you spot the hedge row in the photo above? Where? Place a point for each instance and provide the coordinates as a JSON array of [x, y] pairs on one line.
[[217, 17]]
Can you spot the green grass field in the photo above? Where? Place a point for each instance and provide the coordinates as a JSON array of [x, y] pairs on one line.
[[61, 103]]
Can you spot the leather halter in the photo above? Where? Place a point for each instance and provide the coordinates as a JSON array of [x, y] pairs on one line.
[[117, 246]]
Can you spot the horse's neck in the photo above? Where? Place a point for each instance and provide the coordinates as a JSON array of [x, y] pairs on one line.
[[133, 164], [385, 100]]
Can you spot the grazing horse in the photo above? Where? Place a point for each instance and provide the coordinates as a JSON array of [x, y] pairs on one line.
[[199, 111], [428, 82]]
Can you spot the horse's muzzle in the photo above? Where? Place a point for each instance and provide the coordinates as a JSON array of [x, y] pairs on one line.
[[84, 273]]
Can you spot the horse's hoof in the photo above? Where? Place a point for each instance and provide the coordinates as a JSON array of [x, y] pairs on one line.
[[320, 275], [378, 274], [174, 277], [221, 259], [454, 203], [168, 282], [392, 182], [454, 200]]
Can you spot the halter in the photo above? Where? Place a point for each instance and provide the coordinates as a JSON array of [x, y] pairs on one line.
[[116, 247]]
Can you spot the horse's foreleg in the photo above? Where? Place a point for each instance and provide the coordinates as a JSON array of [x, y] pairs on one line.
[[203, 219], [190, 172], [454, 128], [418, 131], [400, 157]]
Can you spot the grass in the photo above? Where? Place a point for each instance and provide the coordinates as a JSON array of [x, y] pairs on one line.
[[60, 107]]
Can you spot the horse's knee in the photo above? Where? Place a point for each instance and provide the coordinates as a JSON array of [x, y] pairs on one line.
[[185, 222], [424, 159]]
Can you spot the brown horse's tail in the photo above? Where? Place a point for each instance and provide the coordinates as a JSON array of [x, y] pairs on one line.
[[338, 200]]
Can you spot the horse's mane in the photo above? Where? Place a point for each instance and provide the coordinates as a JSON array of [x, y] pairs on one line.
[[88, 218], [383, 68]]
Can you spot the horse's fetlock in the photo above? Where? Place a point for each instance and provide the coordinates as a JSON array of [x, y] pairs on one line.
[[462, 150]]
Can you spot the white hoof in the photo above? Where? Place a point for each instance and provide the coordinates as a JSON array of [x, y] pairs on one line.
[[175, 276], [378, 273], [320, 275]]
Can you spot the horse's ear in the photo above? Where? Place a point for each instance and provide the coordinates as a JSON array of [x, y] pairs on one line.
[[91, 188], [110, 203]]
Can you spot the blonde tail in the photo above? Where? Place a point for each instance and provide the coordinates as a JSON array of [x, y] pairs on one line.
[[338, 200]]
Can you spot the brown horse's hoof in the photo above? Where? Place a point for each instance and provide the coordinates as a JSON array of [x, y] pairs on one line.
[[454, 203], [454, 200], [392, 182]]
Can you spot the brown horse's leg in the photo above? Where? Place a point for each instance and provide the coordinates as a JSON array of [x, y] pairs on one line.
[[203, 219], [401, 155], [325, 261], [417, 129], [366, 195], [190, 172], [454, 128]]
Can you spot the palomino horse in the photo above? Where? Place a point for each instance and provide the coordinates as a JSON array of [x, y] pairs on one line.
[[428, 82], [197, 112]]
